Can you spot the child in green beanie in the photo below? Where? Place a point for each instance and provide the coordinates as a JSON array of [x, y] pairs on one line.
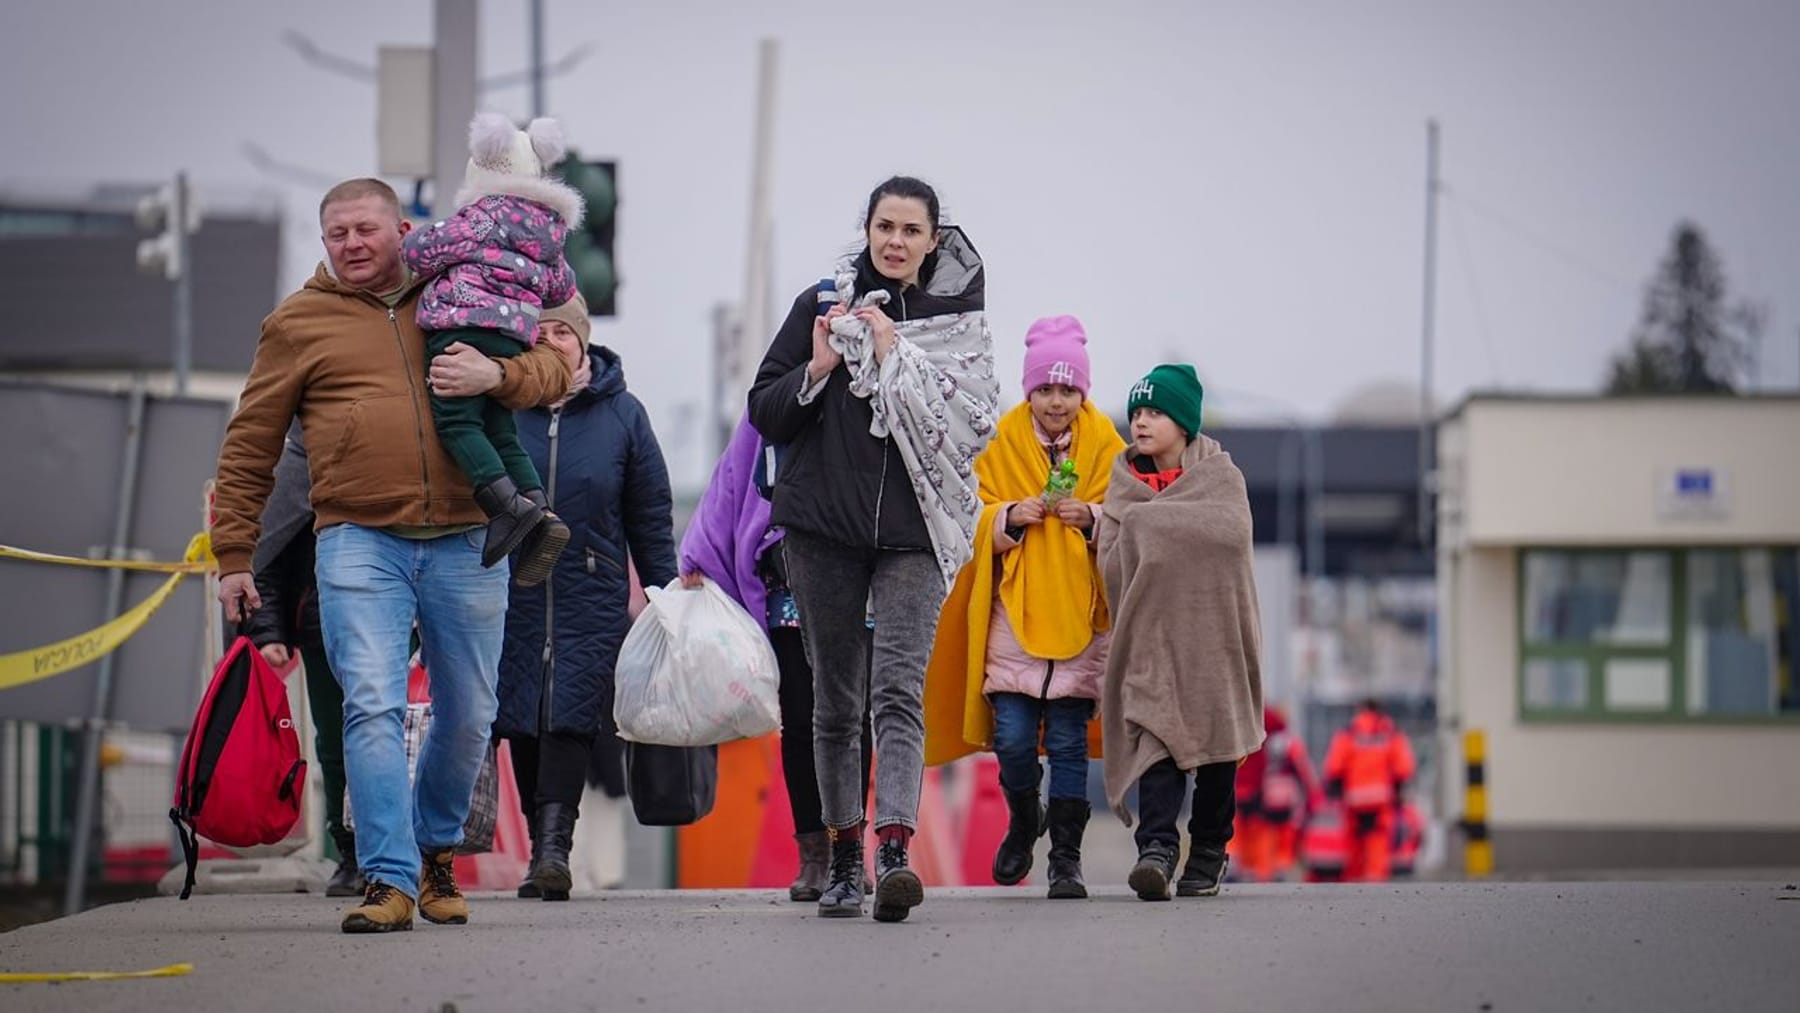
[[1183, 687], [1164, 412]]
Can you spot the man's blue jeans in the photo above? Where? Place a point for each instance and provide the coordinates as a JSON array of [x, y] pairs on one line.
[[1017, 718], [371, 586]]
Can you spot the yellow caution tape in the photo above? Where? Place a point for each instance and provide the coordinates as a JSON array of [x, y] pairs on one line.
[[171, 971], [54, 659], [198, 559]]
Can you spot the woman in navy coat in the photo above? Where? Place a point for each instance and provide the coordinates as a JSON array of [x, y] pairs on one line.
[[604, 476]]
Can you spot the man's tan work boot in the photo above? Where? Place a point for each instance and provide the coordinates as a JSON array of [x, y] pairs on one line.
[[440, 902], [384, 909]]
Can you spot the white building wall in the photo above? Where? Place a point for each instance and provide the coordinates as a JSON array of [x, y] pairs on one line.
[[1591, 472]]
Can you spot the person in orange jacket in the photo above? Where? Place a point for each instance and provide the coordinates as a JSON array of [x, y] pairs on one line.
[[1275, 786], [1252, 844], [1290, 791], [1367, 769]]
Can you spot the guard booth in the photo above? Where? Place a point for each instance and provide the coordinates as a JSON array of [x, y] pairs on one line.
[[1620, 615]]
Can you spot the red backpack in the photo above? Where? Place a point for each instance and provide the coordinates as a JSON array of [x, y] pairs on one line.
[[241, 773]]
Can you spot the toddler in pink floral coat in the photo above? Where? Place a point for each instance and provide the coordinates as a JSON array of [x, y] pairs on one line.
[[494, 267]]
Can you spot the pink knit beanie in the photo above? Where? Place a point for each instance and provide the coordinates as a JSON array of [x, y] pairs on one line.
[[1056, 352]]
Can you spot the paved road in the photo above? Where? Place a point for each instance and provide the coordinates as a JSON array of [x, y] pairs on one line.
[[1428, 946]]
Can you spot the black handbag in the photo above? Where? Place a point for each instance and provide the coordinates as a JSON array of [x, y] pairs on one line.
[[671, 786]]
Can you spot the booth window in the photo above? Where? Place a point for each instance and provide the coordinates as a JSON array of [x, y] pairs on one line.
[[1741, 625], [1659, 634]]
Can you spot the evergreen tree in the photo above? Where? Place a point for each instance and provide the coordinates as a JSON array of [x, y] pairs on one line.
[[1689, 340]]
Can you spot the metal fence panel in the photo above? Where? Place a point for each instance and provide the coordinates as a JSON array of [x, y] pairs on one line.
[[61, 461]]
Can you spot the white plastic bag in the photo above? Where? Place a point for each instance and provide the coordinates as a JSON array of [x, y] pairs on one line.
[[695, 670]]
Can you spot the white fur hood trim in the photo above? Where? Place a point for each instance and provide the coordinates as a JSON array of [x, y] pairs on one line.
[[553, 194]]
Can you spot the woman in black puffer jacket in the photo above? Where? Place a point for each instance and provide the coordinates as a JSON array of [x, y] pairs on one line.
[[867, 529]]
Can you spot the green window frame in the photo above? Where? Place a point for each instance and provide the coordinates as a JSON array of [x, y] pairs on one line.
[[1595, 656]]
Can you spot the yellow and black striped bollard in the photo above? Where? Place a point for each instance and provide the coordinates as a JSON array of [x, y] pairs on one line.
[[1478, 851]]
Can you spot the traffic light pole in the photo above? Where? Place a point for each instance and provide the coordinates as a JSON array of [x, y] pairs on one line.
[[537, 58], [455, 29], [173, 210], [184, 288], [753, 326]]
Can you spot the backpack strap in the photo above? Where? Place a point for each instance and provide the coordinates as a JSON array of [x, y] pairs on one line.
[[294, 773], [190, 848]]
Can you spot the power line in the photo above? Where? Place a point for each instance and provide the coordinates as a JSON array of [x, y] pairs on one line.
[[1480, 305], [1539, 239]]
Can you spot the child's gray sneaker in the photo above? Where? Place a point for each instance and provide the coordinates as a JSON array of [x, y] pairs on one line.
[[1154, 871]]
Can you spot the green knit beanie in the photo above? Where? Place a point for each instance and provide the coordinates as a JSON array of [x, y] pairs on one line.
[[1173, 389]]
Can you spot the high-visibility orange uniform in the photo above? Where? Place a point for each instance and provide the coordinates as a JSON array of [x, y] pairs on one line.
[[1367, 766], [1252, 844], [1290, 793], [1276, 787]]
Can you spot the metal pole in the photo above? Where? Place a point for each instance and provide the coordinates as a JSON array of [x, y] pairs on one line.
[[1315, 495], [719, 427], [1287, 488], [753, 325], [537, 58], [184, 286], [453, 97], [1426, 335], [94, 729]]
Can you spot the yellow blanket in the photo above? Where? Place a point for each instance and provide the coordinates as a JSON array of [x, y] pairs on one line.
[[1049, 584]]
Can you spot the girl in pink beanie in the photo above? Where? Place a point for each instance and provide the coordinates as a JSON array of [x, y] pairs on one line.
[[1056, 355], [1022, 645]]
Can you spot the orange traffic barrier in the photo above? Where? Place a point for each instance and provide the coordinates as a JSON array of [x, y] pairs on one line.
[[747, 840], [777, 857], [712, 853], [933, 853], [984, 820]]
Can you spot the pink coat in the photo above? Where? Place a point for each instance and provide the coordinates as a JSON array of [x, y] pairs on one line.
[[1011, 670]]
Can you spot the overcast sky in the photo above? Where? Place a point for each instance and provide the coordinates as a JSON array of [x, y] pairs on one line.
[[1239, 185]]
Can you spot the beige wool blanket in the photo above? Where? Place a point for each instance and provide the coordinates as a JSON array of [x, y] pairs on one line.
[[1184, 679]]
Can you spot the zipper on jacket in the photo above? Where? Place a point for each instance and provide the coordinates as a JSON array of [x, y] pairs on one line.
[[549, 688], [887, 444], [412, 389], [881, 490], [1049, 673]]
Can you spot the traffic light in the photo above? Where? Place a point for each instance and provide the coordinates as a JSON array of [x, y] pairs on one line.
[[174, 210], [590, 248]]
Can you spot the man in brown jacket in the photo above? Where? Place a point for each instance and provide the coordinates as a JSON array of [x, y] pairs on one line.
[[399, 539]]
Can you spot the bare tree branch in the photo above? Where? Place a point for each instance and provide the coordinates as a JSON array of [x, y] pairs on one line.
[[344, 66], [318, 57], [299, 175], [556, 68]]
